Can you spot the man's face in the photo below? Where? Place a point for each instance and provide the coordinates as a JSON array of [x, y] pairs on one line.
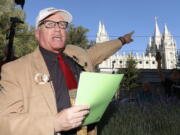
[[51, 39]]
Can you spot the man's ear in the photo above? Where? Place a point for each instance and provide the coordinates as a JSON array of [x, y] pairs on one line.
[[66, 33]]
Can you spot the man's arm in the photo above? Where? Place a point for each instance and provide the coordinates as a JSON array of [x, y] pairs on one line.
[[101, 51]]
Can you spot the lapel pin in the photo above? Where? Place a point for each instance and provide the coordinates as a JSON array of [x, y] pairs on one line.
[[41, 78]]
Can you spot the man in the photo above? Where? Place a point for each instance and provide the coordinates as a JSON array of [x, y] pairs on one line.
[[35, 95]]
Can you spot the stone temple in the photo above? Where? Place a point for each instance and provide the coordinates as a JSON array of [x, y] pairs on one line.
[[164, 43]]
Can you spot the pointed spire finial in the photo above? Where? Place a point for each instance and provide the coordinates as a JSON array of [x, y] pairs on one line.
[[155, 18], [156, 31], [166, 31], [99, 30]]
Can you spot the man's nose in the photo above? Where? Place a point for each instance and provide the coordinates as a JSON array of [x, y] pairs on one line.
[[57, 28]]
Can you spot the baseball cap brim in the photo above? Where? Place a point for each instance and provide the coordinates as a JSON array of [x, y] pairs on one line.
[[44, 13]]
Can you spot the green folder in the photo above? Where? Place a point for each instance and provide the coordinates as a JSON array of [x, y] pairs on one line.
[[96, 90]]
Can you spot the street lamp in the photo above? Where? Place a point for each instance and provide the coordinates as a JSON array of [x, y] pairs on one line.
[[20, 2], [14, 21]]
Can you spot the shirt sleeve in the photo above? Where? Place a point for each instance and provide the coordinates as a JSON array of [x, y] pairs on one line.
[[101, 51]]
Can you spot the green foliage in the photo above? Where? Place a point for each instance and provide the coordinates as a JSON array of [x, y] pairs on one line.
[[24, 40], [132, 119], [6, 7], [77, 36], [130, 74]]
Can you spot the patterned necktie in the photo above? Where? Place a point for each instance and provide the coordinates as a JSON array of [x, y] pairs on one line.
[[68, 74]]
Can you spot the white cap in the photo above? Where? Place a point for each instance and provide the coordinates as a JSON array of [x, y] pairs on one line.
[[48, 11]]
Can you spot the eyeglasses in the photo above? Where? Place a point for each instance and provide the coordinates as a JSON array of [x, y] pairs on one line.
[[52, 24]]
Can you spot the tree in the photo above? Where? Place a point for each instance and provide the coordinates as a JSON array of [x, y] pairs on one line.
[[6, 6], [77, 36], [130, 75], [24, 40]]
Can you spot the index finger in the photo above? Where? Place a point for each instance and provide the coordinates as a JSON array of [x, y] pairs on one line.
[[131, 33], [78, 108]]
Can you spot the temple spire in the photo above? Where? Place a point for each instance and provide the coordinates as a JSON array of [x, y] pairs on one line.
[[156, 31], [157, 36], [103, 29], [166, 31], [102, 35], [99, 30]]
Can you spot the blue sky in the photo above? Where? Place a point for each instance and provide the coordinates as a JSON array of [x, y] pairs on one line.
[[119, 17]]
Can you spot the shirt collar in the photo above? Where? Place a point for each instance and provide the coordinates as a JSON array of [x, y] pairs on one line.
[[50, 56]]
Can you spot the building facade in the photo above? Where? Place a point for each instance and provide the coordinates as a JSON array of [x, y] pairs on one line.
[[163, 43]]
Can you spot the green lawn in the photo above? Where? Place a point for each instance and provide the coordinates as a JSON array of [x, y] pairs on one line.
[[144, 119]]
